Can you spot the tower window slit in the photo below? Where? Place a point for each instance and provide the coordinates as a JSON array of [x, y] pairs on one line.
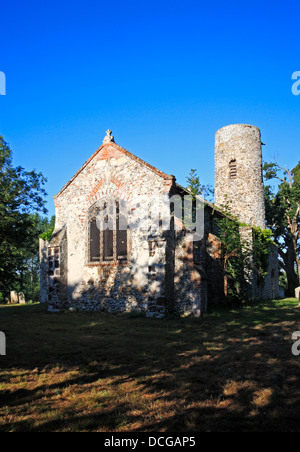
[[232, 169]]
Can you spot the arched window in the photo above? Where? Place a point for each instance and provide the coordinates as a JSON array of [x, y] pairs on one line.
[[107, 232], [94, 248], [121, 229], [107, 229], [232, 169]]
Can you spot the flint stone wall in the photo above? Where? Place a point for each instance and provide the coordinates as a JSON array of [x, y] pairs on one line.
[[165, 271], [145, 282], [245, 192]]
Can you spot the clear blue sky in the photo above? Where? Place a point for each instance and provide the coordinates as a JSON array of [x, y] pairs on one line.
[[164, 76]]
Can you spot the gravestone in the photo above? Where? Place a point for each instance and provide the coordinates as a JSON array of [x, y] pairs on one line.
[[14, 297], [21, 298]]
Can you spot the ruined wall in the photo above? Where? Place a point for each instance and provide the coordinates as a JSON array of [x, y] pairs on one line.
[[259, 289], [214, 270], [212, 256], [58, 270], [269, 290], [43, 256], [190, 294]]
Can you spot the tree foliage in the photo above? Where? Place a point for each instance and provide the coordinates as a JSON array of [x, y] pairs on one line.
[[196, 188], [234, 257], [283, 217], [243, 255], [21, 195]]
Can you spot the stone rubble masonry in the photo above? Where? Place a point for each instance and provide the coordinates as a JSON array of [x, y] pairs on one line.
[[241, 189], [43, 251], [146, 282], [165, 271], [244, 192], [270, 288]]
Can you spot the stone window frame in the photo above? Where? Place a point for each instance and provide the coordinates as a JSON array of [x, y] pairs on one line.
[[115, 261]]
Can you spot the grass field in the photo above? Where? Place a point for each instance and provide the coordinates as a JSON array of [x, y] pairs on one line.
[[79, 372]]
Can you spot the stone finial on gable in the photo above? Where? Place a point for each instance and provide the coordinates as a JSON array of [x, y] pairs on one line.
[[108, 137]]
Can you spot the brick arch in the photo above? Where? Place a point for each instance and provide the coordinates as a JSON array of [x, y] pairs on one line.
[[102, 189]]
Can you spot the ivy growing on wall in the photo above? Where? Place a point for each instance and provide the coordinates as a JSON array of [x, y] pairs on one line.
[[47, 235], [262, 240], [242, 256], [233, 258]]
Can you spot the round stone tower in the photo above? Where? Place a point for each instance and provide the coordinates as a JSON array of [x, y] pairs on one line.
[[238, 173]]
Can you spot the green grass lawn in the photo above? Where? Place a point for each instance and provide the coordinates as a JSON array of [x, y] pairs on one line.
[[80, 372]]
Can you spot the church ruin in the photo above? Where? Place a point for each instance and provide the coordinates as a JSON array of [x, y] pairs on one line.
[[121, 244]]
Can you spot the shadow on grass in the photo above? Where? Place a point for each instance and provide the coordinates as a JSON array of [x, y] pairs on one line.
[[231, 371]]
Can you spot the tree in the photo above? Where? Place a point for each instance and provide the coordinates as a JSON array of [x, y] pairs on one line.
[[234, 256], [21, 194], [27, 277], [283, 217], [196, 188], [245, 252]]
